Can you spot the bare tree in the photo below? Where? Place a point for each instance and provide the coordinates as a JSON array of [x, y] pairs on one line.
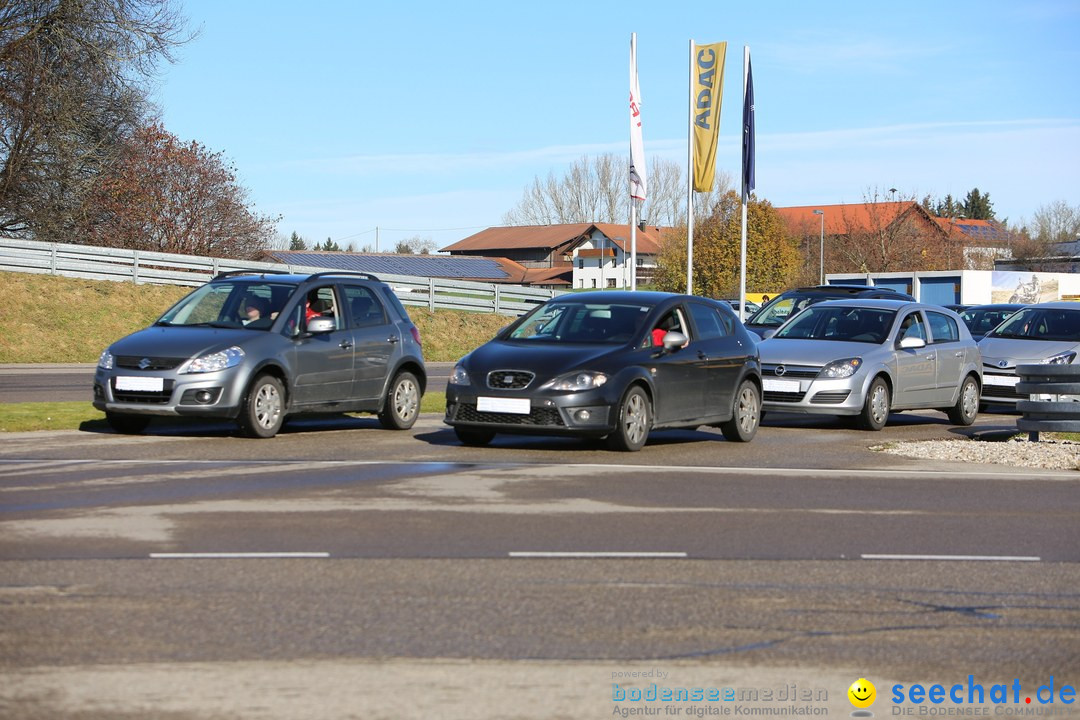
[[73, 85], [597, 190], [166, 195]]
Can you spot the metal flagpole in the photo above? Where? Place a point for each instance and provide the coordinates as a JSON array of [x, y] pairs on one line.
[[745, 192], [690, 180]]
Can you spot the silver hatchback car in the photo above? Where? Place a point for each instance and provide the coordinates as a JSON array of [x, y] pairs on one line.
[[868, 357]]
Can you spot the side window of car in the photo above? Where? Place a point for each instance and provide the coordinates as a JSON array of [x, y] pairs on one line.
[[943, 328], [708, 321], [322, 302], [912, 326], [365, 309]]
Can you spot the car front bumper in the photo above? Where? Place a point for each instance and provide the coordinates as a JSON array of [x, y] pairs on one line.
[[217, 395], [814, 396], [589, 413]]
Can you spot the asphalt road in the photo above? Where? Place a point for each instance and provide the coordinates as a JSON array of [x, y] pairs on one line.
[[341, 570]]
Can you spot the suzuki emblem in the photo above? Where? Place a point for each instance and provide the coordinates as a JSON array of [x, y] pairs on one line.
[[145, 363]]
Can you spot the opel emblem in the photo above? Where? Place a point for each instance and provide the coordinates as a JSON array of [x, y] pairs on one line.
[[145, 363], [780, 370]]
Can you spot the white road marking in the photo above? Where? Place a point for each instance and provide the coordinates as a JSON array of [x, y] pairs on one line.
[[237, 555], [542, 554], [992, 558]]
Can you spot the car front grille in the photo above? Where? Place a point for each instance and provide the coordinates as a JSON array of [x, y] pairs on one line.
[[790, 371], [509, 379], [537, 416], [788, 397], [1006, 392], [142, 362]]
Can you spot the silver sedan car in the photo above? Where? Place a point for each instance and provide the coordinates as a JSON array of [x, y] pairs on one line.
[[868, 357], [1048, 333]]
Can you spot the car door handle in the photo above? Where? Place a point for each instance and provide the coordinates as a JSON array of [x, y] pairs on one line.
[[959, 353], [392, 339], [345, 344], [702, 356]]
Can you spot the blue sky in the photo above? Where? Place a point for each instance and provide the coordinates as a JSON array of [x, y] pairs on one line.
[[430, 119]]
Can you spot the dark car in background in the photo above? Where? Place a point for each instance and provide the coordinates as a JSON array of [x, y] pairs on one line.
[[788, 304], [981, 319], [613, 365], [256, 348]]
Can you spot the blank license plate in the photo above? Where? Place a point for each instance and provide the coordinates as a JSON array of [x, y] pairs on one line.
[[140, 384], [515, 406], [1006, 380], [770, 385]]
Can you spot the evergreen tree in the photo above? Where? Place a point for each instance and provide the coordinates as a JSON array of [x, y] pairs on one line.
[[296, 242], [977, 206]]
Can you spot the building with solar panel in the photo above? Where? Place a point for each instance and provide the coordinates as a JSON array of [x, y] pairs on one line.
[[591, 255]]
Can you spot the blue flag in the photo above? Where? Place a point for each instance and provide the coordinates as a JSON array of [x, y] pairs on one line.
[[748, 135]]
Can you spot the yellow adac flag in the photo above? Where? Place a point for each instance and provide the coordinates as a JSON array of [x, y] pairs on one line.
[[707, 69]]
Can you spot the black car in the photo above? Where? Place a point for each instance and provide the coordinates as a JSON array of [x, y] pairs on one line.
[[787, 304], [981, 319], [257, 347], [612, 365]]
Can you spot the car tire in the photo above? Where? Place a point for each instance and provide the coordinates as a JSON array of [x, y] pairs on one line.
[[745, 414], [127, 424], [966, 408], [633, 421], [401, 406], [474, 437], [875, 411], [263, 410]]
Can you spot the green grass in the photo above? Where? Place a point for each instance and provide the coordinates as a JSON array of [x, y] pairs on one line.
[[28, 417]]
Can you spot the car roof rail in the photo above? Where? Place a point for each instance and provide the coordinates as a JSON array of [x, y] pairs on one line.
[[350, 273], [232, 273]]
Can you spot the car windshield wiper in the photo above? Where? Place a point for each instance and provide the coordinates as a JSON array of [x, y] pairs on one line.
[[215, 325], [1013, 336]]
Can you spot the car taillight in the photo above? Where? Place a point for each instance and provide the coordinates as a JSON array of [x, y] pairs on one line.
[[415, 334]]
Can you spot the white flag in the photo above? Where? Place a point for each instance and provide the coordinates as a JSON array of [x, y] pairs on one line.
[[637, 145]]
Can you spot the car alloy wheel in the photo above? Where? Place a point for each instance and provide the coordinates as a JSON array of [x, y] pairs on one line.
[[875, 411], [264, 408], [967, 405], [634, 421], [402, 405], [746, 414]]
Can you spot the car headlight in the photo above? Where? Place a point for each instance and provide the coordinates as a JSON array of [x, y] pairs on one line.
[[576, 381], [460, 376], [1064, 358], [214, 362], [841, 368], [105, 362]]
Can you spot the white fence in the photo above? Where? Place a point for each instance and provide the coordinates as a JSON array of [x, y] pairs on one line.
[[99, 263]]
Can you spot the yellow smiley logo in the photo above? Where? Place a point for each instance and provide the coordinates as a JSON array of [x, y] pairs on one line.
[[862, 693]]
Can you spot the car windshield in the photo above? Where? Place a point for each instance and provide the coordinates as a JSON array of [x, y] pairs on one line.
[[582, 322], [982, 320], [846, 324], [1052, 324], [252, 305], [779, 310]]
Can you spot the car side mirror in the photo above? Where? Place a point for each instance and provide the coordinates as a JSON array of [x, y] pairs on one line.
[[765, 335], [321, 325], [912, 343], [674, 340]]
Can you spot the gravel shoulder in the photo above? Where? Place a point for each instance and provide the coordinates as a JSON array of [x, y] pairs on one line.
[[1049, 453]]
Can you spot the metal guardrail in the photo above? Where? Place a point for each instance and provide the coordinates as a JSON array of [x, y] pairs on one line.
[[1054, 415], [100, 263]]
